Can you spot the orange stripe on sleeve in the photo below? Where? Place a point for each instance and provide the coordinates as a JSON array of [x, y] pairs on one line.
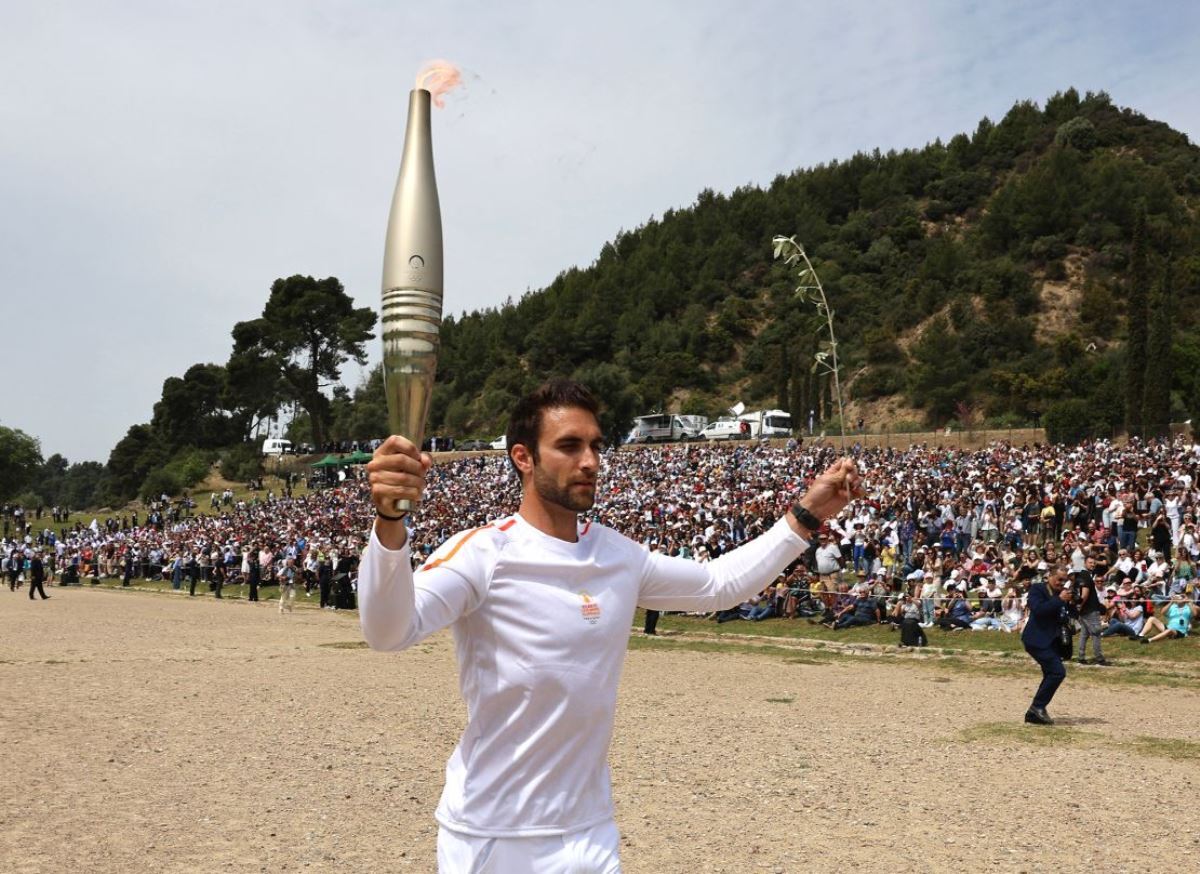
[[431, 565], [454, 551]]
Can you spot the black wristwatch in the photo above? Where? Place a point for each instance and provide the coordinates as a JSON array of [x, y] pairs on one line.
[[807, 520]]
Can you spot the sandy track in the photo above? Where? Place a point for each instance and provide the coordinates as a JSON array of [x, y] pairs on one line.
[[157, 733]]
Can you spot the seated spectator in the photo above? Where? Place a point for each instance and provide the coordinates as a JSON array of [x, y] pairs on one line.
[[1179, 615], [864, 611], [909, 613], [956, 614], [1012, 612], [982, 620], [1126, 618], [741, 611], [764, 606]]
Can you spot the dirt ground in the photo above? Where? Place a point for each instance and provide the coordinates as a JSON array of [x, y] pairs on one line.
[[157, 733]]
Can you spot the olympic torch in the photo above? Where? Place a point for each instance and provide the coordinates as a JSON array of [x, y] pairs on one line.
[[412, 269]]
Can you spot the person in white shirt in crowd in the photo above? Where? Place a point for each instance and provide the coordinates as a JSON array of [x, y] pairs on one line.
[[1172, 506], [829, 556], [1012, 612], [540, 605]]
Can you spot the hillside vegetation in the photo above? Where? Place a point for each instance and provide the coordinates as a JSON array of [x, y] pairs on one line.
[[984, 277]]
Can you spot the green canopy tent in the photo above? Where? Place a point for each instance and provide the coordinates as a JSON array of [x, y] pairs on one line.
[[357, 457], [327, 461]]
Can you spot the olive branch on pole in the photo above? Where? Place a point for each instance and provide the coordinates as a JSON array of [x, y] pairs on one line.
[[811, 291]]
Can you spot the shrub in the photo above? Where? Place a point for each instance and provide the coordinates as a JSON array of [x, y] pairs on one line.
[[1048, 248], [29, 499], [1003, 422], [1068, 421], [241, 463], [159, 482], [1056, 271], [1078, 133], [190, 465], [879, 381]]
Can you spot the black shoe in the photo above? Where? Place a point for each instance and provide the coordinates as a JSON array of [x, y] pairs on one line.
[[1082, 661], [1038, 716], [1102, 661]]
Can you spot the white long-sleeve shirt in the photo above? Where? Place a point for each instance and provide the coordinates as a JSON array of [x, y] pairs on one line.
[[540, 628]]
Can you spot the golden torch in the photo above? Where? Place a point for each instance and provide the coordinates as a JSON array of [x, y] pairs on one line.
[[412, 268]]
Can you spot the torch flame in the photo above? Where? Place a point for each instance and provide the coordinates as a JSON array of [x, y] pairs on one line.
[[439, 78]]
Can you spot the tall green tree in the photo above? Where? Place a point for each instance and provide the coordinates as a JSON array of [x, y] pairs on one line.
[[309, 328], [81, 483], [134, 456], [52, 477], [254, 389], [191, 411], [20, 461], [1156, 408], [1138, 321]]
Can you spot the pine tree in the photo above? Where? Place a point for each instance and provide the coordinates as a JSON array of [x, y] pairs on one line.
[[1156, 410], [1138, 315]]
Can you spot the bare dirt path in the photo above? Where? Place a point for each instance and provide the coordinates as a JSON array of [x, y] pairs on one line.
[[158, 733]]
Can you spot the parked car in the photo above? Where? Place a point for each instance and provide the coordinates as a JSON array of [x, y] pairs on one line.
[[500, 442], [473, 445]]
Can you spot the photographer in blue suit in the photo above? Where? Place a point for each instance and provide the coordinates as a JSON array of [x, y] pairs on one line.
[[1049, 606]]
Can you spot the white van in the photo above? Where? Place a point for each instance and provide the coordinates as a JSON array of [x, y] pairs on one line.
[[276, 446], [500, 442], [724, 429], [666, 427]]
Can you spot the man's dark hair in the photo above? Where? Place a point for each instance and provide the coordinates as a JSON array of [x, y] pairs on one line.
[[525, 423]]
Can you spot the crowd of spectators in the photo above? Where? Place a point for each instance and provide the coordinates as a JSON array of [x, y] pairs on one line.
[[946, 537], [312, 540]]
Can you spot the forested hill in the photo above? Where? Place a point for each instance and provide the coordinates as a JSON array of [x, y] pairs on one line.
[[985, 277]]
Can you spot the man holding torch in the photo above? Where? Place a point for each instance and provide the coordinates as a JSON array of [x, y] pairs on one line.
[[541, 607]]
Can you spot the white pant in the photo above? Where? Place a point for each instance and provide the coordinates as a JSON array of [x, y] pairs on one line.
[[587, 851]]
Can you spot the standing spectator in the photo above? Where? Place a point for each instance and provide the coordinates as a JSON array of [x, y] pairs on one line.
[[287, 585], [253, 573], [1090, 611], [37, 575]]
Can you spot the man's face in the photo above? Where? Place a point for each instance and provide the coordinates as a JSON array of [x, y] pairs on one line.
[[568, 459]]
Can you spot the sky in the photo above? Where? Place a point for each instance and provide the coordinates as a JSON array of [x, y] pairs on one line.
[[161, 163]]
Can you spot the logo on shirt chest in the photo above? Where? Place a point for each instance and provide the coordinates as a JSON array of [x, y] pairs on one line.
[[589, 609]]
